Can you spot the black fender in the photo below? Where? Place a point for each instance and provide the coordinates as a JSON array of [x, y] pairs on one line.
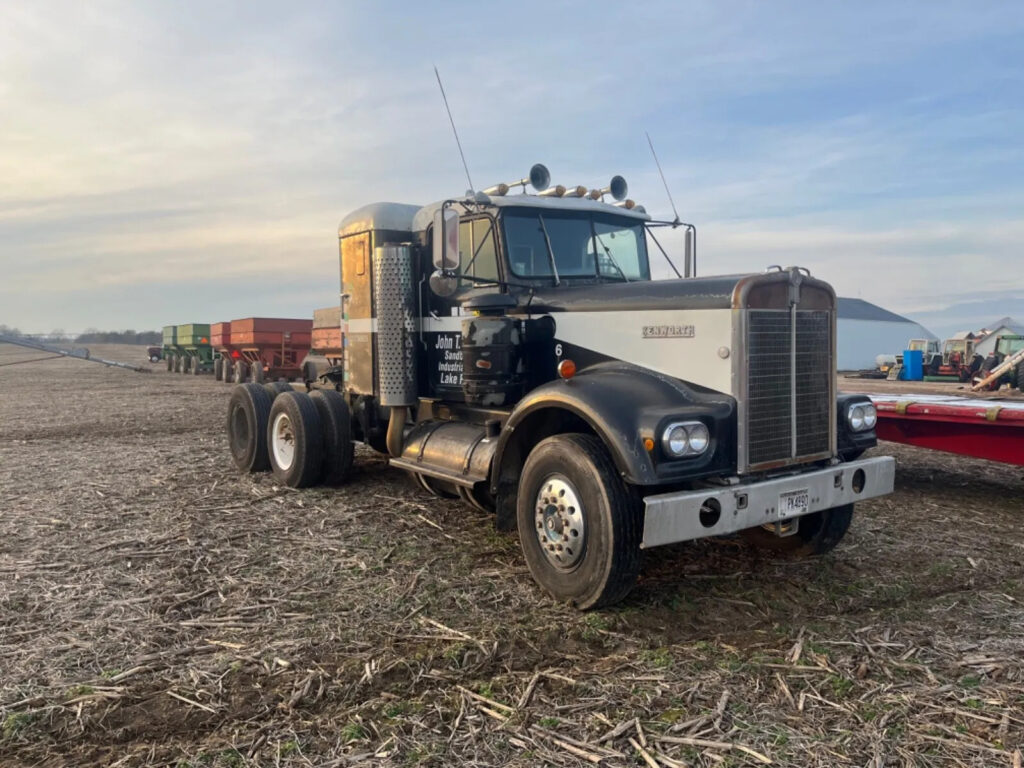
[[624, 405], [850, 444]]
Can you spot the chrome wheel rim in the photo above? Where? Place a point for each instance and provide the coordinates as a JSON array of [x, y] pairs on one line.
[[282, 438], [559, 522]]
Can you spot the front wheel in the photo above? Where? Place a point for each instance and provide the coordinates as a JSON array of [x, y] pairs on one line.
[[816, 534], [579, 523]]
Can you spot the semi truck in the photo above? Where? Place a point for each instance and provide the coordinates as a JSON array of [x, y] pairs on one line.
[[514, 351]]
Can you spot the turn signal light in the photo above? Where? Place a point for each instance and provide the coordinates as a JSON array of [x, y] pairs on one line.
[[567, 369]]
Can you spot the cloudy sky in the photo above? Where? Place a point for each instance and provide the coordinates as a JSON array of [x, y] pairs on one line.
[[189, 161]]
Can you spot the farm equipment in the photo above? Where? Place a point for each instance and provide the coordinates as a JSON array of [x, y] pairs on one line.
[[262, 349], [928, 348], [957, 362], [78, 353], [984, 429], [187, 348], [513, 351], [155, 353], [1004, 366]]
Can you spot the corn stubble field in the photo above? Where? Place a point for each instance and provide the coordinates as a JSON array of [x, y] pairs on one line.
[[159, 608]]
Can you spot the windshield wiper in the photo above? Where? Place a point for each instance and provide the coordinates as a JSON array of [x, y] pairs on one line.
[[551, 253]]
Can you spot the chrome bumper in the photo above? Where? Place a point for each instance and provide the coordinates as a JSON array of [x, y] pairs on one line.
[[672, 517]]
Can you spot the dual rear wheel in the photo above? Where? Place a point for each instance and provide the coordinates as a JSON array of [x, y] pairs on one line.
[[304, 439]]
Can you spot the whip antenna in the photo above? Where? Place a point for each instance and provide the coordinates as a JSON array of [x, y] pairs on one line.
[[655, 154], [452, 121]]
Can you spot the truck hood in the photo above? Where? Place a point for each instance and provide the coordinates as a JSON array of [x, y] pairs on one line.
[[693, 293]]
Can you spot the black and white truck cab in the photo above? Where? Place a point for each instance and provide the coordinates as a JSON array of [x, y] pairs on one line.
[[513, 350]]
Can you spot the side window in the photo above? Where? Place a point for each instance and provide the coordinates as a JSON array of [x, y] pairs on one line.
[[476, 247], [485, 257]]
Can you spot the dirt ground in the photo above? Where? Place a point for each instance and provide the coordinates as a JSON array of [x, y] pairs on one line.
[[159, 608]]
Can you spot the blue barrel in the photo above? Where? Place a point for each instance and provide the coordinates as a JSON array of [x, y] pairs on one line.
[[913, 365]]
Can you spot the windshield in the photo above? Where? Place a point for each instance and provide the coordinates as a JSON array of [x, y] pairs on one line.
[[582, 244]]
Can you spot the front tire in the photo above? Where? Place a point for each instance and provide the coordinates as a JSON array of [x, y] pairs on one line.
[[248, 414], [227, 373], [218, 369], [579, 523], [818, 533], [295, 439]]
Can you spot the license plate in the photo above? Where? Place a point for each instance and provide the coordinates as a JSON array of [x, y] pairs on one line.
[[793, 503]]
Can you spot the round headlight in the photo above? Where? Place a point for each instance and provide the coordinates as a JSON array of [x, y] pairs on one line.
[[675, 441], [870, 417], [857, 417], [699, 438]]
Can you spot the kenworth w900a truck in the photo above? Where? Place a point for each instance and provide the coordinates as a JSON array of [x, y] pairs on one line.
[[513, 350]]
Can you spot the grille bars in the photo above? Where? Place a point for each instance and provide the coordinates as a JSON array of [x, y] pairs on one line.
[[792, 381]]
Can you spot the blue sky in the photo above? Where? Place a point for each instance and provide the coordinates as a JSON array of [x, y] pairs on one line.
[[167, 163]]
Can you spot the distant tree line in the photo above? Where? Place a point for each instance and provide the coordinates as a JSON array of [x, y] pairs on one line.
[[94, 336], [90, 336]]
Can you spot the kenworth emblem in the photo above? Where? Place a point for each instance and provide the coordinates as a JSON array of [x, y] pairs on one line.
[[668, 332]]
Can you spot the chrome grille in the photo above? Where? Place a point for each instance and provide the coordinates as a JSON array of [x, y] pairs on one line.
[[773, 390], [813, 382]]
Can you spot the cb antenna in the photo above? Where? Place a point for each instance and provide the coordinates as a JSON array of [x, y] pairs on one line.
[[650, 143], [452, 121]]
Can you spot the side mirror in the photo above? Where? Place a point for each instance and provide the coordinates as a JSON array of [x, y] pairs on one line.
[[446, 239], [443, 285]]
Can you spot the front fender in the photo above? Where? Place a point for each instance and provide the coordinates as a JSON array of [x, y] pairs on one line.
[[624, 405]]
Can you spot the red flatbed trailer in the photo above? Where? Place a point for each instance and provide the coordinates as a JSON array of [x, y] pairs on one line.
[[986, 429], [264, 348]]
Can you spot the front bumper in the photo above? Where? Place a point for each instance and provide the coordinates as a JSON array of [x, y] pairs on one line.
[[677, 516]]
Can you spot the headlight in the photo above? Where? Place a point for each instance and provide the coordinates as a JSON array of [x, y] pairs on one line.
[[861, 417], [870, 417], [685, 438]]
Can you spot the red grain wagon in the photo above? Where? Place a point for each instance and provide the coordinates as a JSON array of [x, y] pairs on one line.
[[265, 348], [220, 335]]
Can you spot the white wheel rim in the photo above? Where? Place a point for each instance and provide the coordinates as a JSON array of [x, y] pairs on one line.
[[560, 524], [282, 441]]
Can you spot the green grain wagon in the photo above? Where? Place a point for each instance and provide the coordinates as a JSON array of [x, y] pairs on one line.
[[187, 348]]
